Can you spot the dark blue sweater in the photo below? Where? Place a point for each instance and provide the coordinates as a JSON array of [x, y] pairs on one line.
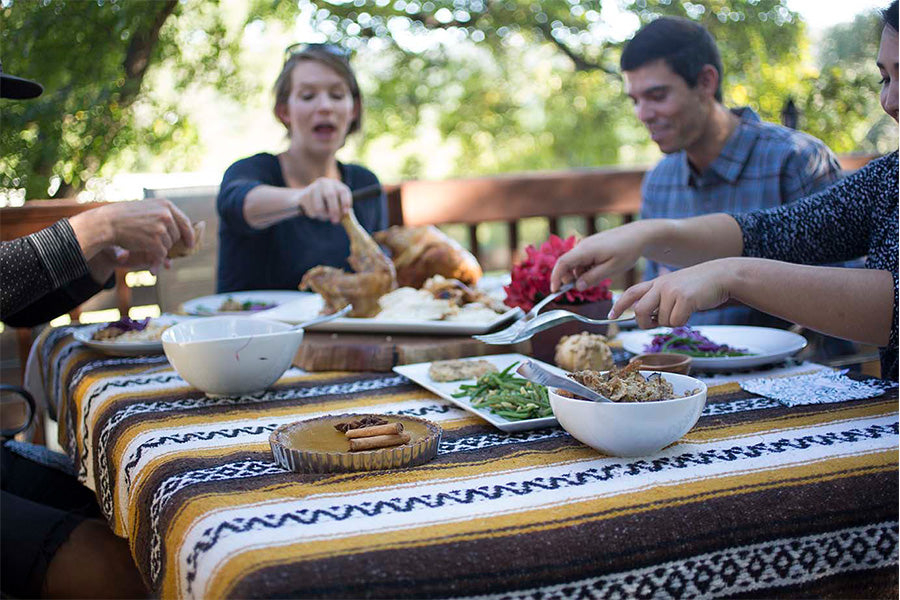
[[276, 257]]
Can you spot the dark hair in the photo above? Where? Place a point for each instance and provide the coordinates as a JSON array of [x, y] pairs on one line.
[[686, 47], [326, 55], [889, 15]]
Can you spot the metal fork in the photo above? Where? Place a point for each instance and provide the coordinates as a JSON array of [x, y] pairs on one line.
[[540, 323], [498, 336]]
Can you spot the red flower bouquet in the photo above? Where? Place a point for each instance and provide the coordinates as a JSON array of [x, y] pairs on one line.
[[531, 277]]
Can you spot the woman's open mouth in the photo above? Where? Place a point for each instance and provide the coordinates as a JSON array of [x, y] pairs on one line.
[[324, 130]]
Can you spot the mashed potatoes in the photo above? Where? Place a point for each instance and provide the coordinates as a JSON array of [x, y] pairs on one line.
[[410, 304]]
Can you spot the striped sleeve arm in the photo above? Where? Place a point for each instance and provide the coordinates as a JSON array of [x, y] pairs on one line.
[[59, 252]]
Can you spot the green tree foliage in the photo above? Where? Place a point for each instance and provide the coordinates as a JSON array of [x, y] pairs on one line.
[[508, 85], [519, 84], [848, 84], [92, 58]]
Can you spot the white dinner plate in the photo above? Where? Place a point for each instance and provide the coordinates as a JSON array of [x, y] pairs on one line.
[[209, 305], [445, 389], [125, 348], [304, 309], [767, 345]]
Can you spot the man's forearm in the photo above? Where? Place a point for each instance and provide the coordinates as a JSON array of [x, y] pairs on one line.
[[55, 303]]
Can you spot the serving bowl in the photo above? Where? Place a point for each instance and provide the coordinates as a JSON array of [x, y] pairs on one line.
[[668, 362], [630, 429], [230, 356]]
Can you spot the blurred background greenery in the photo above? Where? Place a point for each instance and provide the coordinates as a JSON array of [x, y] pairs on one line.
[[452, 87]]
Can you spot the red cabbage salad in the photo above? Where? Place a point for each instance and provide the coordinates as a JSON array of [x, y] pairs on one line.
[[128, 324], [685, 340]]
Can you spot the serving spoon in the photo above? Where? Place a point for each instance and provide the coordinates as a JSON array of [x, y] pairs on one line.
[[322, 319]]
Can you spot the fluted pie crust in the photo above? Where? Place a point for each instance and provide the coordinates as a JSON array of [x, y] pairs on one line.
[[315, 446]]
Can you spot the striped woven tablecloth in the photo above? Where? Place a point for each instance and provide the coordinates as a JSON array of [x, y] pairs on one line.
[[758, 499]]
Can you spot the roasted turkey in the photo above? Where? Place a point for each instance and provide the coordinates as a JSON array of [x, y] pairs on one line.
[[420, 252], [374, 275]]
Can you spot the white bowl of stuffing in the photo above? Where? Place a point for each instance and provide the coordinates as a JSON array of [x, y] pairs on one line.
[[231, 356], [650, 410]]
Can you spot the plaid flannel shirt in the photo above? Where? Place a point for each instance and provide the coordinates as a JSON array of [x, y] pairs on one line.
[[762, 165]]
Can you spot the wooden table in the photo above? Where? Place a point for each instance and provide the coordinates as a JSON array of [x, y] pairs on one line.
[[757, 500]]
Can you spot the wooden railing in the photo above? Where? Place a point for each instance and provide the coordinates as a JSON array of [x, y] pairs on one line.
[[507, 199]]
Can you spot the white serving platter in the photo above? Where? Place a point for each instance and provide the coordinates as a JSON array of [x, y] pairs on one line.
[[445, 389], [303, 309]]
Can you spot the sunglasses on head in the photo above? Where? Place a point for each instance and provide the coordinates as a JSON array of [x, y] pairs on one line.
[[301, 47]]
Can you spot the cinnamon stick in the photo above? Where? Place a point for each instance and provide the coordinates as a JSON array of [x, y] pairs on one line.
[[378, 441], [362, 432]]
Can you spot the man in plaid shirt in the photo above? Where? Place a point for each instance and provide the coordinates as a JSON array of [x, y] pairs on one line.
[[717, 160]]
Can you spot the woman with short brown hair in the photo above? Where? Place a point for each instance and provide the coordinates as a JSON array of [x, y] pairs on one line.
[[280, 215]]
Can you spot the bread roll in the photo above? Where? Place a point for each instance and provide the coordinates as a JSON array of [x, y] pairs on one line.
[[584, 351], [179, 250]]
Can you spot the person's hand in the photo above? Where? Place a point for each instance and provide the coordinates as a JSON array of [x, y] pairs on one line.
[[599, 256], [143, 231], [103, 264], [148, 227], [326, 199], [670, 300], [135, 260]]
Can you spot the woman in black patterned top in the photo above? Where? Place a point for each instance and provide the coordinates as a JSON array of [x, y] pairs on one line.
[[761, 258], [50, 524]]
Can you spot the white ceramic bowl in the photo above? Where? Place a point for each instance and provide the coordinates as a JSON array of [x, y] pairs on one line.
[[632, 428], [230, 356]]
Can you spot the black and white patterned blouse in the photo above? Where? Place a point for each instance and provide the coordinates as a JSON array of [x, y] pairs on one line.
[[855, 217], [43, 275]]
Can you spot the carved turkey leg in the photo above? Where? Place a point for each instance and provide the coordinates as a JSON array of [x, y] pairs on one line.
[[374, 275]]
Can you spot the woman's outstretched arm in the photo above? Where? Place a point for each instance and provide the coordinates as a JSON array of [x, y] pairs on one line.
[[854, 304]]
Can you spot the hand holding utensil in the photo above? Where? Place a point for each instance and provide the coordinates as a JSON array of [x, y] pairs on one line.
[[363, 193]]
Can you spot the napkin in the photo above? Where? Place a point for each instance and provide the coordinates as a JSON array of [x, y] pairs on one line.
[[822, 387]]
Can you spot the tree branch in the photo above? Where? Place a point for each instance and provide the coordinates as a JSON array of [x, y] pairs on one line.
[[137, 58], [581, 64]]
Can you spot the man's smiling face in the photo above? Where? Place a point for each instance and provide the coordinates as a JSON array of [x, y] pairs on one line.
[[674, 113]]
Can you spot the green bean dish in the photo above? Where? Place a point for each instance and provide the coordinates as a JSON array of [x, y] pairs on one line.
[[508, 395]]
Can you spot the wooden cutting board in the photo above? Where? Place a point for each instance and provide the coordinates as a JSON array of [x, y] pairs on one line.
[[378, 352]]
